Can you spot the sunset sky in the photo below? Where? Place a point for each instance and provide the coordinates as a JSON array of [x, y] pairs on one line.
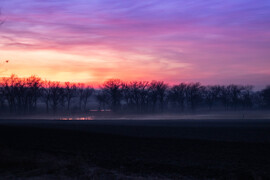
[[211, 41]]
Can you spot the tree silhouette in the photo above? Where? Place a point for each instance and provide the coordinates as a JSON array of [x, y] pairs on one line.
[[8, 85], [85, 92], [34, 84], [138, 92], [80, 93], [52, 94], [193, 94], [127, 96], [211, 94], [246, 96], [46, 94], [225, 96], [113, 88], [177, 95], [266, 96], [103, 100], [69, 93], [161, 89], [20, 91], [88, 91], [2, 97]]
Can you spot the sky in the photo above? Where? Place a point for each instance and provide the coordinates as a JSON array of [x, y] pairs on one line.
[[212, 42]]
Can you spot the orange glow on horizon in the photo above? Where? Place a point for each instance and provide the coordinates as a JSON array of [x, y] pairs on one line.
[[89, 69]]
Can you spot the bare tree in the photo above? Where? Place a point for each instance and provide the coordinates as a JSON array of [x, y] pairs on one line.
[[246, 96], [88, 91], [225, 96], [153, 95], [21, 95], [84, 92], [144, 96], [46, 93], [161, 88], [193, 94], [2, 96], [113, 88], [70, 92], [8, 85], [80, 90], [139, 94], [56, 95], [158, 90], [103, 99], [34, 84], [127, 96], [234, 94], [211, 94], [177, 95], [52, 93], [266, 96]]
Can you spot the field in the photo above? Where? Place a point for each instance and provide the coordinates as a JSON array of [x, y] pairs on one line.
[[135, 149]]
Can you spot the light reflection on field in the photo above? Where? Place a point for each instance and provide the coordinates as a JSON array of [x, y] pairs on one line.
[[77, 118]]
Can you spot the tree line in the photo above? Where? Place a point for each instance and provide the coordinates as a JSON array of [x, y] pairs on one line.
[[32, 94], [24, 94]]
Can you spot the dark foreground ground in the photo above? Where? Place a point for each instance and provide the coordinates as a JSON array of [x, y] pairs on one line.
[[137, 149]]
